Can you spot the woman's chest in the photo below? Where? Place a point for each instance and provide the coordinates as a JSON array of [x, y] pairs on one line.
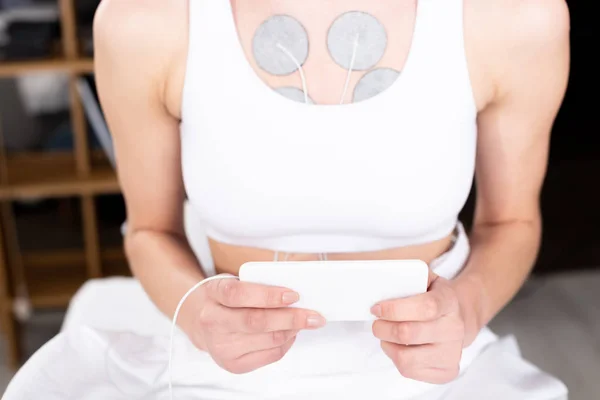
[[355, 47], [250, 156]]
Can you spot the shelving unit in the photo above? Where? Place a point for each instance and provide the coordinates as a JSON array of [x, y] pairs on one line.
[[81, 66], [52, 277], [32, 175]]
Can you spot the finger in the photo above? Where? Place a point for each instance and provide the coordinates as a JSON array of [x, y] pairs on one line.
[[412, 358], [236, 294], [253, 361], [256, 320], [424, 307], [249, 343], [445, 329]]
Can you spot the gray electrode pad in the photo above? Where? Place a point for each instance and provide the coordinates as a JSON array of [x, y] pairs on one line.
[[374, 83], [293, 93], [342, 37], [280, 44]]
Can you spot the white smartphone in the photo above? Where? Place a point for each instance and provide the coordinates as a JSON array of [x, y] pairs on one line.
[[342, 290]]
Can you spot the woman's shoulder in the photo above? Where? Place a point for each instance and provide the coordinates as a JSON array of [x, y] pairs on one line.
[[142, 25], [510, 36], [520, 22], [146, 38]]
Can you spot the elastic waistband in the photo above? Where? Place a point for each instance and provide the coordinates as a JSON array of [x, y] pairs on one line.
[[451, 263], [330, 243]]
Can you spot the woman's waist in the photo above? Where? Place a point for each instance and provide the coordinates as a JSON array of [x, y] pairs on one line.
[[228, 258]]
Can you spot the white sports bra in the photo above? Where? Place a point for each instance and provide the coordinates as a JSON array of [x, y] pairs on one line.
[[263, 171]]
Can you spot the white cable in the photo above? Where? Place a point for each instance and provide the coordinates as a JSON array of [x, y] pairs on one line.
[[295, 61], [174, 323], [352, 62], [286, 256]]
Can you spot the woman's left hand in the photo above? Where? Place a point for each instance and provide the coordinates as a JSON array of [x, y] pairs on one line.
[[424, 334]]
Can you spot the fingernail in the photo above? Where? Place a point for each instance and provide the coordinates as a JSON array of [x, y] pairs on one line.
[[315, 321], [290, 297], [376, 310]]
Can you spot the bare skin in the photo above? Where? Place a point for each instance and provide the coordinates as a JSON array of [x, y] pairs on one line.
[[518, 55]]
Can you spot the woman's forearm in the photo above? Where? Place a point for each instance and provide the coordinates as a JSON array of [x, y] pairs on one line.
[[502, 257], [165, 265]]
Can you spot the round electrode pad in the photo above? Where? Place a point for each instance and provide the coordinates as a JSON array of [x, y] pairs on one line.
[[356, 26], [293, 93], [374, 83], [280, 45]]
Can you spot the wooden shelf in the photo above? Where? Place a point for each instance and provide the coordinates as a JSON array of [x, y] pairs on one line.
[[15, 68], [50, 288], [53, 277], [34, 175], [74, 258]]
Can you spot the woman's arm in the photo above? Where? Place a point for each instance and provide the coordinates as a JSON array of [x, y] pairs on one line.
[[137, 46], [424, 335], [531, 70], [140, 59]]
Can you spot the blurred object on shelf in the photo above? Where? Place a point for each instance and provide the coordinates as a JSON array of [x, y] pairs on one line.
[[44, 93], [61, 139], [89, 97], [30, 40], [28, 29]]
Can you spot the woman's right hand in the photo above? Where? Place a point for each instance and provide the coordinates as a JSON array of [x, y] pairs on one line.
[[245, 326]]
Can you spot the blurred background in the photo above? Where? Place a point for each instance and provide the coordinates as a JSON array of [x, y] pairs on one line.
[[61, 212]]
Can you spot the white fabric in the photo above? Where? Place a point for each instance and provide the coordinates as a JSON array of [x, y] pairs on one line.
[[114, 346], [88, 364], [263, 171]]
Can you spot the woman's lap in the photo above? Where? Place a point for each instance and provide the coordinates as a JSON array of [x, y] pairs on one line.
[[114, 345], [87, 364]]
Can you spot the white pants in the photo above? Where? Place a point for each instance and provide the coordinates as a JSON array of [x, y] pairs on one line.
[[122, 355]]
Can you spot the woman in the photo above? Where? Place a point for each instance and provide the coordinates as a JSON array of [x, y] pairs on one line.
[[340, 129]]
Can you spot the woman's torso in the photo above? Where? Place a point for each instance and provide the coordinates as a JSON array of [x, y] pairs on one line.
[[379, 179]]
